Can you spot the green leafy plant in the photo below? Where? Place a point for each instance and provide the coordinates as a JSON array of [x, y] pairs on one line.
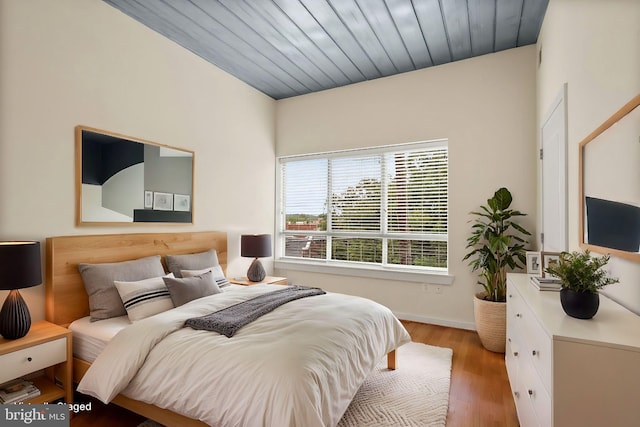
[[497, 244], [581, 272]]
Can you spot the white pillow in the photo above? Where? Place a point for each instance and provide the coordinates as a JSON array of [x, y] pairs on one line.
[[216, 270], [145, 298]]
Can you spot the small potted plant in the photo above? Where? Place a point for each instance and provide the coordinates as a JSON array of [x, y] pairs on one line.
[[496, 244], [581, 277]]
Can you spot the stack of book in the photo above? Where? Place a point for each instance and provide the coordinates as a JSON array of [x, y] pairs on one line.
[[17, 391], [546, 283]]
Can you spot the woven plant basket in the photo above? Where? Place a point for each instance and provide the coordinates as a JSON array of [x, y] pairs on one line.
[[491, 322]]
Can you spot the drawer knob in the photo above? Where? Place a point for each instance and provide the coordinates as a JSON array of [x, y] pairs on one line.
[[530, 392], [516, 393], [534, 352], [518, 315], [515, 353], [29, 359]]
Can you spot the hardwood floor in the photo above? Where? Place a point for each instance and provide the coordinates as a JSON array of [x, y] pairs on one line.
[[480, 393]]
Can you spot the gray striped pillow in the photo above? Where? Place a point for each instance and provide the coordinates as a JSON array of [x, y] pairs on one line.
[[145, 298]]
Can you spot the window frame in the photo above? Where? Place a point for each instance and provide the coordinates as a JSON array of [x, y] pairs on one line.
[[436, 275]]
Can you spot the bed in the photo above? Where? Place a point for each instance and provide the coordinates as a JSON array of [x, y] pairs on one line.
[[253, 380]]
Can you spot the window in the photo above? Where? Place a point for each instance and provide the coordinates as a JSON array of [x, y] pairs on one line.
[[380, 207]]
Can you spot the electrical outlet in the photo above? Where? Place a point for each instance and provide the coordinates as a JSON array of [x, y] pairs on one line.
[[425, 288], [438, 289]]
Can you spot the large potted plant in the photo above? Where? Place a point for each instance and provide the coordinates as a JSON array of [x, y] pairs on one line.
[[581, 277], [496, 244]]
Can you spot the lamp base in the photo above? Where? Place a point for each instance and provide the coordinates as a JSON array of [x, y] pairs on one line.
[[256, 272], [15, 320]]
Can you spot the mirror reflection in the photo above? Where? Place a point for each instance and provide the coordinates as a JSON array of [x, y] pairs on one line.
[[127, 180], [611, 185]]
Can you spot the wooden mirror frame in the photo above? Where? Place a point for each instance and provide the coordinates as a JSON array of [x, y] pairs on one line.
[[617, 116], [80, 221]]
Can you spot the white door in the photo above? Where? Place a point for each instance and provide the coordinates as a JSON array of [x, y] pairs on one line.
[[554, 176]]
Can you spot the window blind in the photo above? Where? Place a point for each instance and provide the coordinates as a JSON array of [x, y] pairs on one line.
[[383, 206]]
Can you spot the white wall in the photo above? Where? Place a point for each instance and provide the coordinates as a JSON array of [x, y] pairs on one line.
[[593, 46], [485, 106], [70, 62]]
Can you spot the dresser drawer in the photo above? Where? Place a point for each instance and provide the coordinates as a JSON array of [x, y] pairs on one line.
[[511, 354], [516, 307], [538, 346], [535, 391], [533, 339], [526, 415], [513, 303], [25, 361], [517, 363]]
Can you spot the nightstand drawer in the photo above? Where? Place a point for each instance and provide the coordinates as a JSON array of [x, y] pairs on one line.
[[32, 359]]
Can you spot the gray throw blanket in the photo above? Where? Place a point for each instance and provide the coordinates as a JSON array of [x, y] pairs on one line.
[[229, 320]]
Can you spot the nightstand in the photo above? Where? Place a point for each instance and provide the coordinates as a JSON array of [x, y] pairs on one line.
[[269, 279], [46, 347]]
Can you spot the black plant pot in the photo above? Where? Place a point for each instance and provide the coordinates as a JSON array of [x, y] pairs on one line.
[[581, 305]]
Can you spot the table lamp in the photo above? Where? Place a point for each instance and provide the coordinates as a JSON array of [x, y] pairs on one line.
[[255, 246], [19, 268]]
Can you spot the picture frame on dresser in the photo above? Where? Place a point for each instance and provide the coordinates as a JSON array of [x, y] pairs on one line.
[[534, 263], [547, 259]]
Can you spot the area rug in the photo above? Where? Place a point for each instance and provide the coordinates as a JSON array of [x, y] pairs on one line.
[[414, 395]]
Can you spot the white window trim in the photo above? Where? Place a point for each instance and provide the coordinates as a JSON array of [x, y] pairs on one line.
[[422, 275]]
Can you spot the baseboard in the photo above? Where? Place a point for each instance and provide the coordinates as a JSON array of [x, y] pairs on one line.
[[436, 321]]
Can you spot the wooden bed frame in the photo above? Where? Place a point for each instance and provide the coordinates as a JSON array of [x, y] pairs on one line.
[[67, 300]]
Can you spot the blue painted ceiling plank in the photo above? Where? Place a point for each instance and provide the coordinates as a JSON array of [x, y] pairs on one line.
[[406, 21], [431, 20], [378, 17], [342, 37], [307, 23], [288, 29], [456, 20], [350, 14], [236, 33], [482, 14], [532, 14], [508, 14], [271, 35]]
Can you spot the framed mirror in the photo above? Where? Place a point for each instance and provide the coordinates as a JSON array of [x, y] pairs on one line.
[[125, 180], [609, 185]]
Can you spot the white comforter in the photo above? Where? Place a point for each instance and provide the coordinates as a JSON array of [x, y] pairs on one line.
[[299, 365]]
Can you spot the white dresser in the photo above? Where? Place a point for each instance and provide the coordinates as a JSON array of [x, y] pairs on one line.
[[571, 372]]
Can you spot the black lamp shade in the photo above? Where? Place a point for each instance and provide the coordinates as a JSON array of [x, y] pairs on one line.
[[255, 245], [19, 268], [20, 265]]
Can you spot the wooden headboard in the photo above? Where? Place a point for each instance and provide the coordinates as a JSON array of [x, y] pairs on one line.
[[66, 298]]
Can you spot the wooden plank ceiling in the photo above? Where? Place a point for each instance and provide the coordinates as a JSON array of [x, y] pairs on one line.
[[286, 48]]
